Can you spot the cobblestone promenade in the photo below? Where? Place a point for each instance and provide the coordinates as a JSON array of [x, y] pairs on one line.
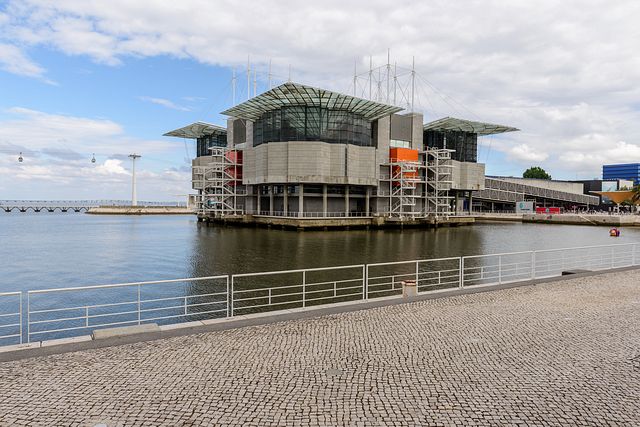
[[564, 353]]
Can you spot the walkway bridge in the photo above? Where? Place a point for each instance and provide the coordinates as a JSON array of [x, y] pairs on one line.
[[498, 190], [70, 205]]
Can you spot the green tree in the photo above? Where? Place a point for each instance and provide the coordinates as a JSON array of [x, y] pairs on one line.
[[536, 172]]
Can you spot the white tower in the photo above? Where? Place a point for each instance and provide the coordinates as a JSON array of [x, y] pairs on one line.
[[134, 196]]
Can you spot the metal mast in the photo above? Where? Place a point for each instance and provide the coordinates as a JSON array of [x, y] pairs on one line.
[[134, 195]]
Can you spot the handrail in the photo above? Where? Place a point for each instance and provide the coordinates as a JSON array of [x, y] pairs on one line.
[[308, 286]]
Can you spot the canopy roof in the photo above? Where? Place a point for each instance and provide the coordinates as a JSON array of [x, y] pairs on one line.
[[618, 196], [451, 123], [196, 130], [292, 94]]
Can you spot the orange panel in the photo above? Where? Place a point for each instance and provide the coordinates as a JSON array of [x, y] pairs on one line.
[[403, 154]]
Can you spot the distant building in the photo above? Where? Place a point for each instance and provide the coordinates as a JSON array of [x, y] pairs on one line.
[[629, 171]]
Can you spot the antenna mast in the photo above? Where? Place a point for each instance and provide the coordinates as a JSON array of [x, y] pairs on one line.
[[413, 81], [388, 72], [233, 85], [370, 74], [269, 74], [248, 78], [355, 77]]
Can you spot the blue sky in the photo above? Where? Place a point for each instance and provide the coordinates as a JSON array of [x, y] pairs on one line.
[[83, 77]]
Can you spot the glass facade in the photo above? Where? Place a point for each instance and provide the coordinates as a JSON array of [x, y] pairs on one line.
[[300, 123], [465, 143], [204, 143]]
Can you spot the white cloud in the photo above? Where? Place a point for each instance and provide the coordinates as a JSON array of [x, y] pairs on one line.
[[164, 102], [13, 60], [565, 73], [57, 149]]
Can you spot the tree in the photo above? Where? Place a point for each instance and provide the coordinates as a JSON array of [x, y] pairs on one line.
[[536, 172]]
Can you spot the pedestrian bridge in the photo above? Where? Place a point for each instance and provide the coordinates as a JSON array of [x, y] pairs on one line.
[[69, 205]]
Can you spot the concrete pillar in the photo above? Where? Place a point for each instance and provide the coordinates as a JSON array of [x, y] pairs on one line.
[[285, 200], [346, 200], [271, 195], [470, 203], [324, 200], [258, 204], [367, 197], [301, 201]]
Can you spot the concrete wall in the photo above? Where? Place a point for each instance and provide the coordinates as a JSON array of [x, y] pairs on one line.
[[569, 187], [311, 162], [467, 176]]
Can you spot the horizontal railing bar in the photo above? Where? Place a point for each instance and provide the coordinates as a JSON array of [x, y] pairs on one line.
[[299, 270], [183, 315], [267, 296], [115, 285], [266, 305], [337, 296], [236, 291], [10, 314], [331, 289], [7, 294], [10, 325]]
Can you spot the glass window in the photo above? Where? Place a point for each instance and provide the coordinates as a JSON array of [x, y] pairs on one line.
[[300, 123]]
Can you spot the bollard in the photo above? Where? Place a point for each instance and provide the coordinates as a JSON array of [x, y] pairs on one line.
[[409, 289]]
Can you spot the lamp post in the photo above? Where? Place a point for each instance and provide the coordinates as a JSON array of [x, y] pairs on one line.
[[134, 196]]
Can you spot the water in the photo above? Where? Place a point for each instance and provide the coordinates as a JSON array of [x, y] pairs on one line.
[[44, 250]]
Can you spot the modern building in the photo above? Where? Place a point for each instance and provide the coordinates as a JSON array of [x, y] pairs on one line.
[[301, 152], [629, 171]]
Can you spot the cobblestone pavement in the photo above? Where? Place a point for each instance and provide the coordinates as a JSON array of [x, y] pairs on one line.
[[563, 353]]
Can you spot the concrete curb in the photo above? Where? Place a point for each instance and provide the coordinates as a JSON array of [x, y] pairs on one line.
[[67, 345]]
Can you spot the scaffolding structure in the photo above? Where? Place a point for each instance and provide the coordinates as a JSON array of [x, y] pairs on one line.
[[438, 182], [403, 189], [219, 182]]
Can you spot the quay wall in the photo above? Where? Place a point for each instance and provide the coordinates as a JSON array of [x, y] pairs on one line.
[[140, 210]]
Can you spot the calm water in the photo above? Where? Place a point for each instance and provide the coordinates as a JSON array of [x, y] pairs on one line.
[[44, 250]]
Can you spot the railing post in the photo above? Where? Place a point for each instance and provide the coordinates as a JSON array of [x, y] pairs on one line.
[[304, 289], [185, 305], [231, 297], [28, 317], [228, 296], [533, 264], [335, 289], [269, 296], [417, 275], [364, 281], [462, 272], [21, 316], [139, 304], [612, 254], [86, 316]]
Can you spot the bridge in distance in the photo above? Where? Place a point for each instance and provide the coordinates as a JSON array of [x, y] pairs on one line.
[[70, 205]]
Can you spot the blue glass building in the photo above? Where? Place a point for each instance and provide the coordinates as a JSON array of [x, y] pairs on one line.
[[624, 171]]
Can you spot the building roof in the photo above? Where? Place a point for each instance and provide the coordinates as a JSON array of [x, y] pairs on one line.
[[290, 94], [196, 130], [451, 123]]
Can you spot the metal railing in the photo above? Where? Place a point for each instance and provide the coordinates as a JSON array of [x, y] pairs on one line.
[[10, 318], [84, 309], [63, 312]]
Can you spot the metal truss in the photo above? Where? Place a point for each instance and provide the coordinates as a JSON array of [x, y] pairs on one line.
[[438, 182], [221, 191]]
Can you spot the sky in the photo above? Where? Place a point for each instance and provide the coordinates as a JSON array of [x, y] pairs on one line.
[[80, 78]]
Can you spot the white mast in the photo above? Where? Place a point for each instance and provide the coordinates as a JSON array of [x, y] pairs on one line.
[[395, 81], [134, 195], [269, 74], [355, 77], [289, 73], [248, 78], [255, 82], [413, 81], [388, 72], [233, 86], [370, 74]]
